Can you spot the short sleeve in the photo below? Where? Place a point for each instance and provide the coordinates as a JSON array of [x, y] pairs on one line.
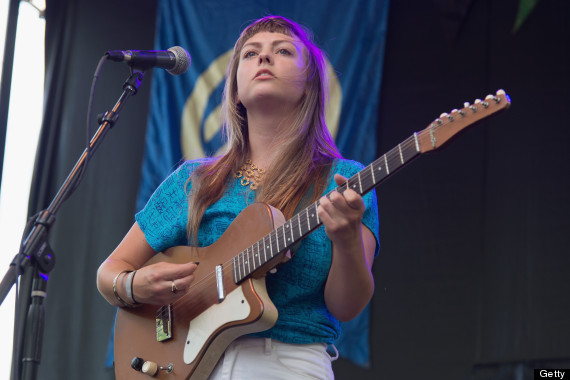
[[163, 219]]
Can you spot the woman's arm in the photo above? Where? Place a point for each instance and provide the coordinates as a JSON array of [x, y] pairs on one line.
[[151, 284], [350, 283]]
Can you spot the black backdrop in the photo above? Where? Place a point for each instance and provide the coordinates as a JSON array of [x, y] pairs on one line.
[[472, 278]]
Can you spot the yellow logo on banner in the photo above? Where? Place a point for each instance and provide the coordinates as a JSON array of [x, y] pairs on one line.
[[194, 113]]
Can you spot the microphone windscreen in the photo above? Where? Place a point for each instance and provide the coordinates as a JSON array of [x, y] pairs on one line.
[[182, 58]]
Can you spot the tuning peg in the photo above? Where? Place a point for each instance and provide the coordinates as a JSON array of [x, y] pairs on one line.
[[501, 92], [496, 98], [466, 105], [446, 115], [460, 112], [477, 101]]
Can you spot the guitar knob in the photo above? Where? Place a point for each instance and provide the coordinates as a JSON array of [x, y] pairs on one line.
[[137, 363], [150, 368]]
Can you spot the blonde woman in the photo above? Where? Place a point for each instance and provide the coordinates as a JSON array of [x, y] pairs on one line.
[[280, 153]]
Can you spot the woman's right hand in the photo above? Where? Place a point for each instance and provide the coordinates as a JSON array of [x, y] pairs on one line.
[[163, 283]]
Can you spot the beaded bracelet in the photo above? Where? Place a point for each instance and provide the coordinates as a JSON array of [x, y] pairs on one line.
[[115, 289]]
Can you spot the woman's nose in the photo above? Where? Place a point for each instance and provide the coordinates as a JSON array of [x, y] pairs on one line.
[[264, 57]]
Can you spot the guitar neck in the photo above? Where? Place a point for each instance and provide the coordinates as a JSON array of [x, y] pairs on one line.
[[254, 259]]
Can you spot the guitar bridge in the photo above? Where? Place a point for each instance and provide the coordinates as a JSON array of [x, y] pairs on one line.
[[164, 323]]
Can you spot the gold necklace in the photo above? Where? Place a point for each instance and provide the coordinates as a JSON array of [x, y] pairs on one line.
[[250, 175]]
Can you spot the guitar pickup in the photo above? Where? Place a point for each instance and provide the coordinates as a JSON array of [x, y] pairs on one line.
[[164, 323]]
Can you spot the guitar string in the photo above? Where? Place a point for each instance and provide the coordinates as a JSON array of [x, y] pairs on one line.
[[365, 176]]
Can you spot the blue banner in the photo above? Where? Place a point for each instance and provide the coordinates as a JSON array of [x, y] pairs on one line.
[[184, 120]]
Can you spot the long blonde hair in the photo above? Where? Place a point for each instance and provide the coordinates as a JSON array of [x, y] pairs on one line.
[[305, 148]]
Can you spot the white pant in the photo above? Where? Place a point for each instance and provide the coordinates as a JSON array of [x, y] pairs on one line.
[[259, 359]]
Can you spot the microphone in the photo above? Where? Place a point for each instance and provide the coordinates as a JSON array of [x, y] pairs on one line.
[[175, 60]]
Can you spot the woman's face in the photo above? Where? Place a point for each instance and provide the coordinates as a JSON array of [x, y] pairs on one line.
[[271, 68]]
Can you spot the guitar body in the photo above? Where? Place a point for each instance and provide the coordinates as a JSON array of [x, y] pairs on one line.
[[201, 326]]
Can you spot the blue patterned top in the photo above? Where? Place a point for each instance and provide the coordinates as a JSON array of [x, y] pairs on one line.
[[297, 288]]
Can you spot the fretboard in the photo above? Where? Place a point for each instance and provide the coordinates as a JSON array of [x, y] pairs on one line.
[[306, 221]]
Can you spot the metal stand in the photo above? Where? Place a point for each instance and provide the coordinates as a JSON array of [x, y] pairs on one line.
[[36, 259]]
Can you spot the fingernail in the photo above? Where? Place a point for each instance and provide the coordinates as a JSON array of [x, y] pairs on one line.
[[197, 262]]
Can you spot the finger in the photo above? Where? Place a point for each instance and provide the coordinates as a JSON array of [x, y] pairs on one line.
[[346, 202], [340, 179], [353, 200], [179, 285], [173, 271], [330, 202]]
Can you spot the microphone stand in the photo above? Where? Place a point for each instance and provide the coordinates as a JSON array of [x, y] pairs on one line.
[[36, 258]]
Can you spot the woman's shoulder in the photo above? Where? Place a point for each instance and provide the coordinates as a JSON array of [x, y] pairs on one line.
[[189, 166], [183, 171]]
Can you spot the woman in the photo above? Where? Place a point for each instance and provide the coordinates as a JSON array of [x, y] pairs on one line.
[[280, 153]]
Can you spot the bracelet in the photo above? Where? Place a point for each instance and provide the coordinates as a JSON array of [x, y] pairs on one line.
[[133, 293], [129, 287], [115, 289]]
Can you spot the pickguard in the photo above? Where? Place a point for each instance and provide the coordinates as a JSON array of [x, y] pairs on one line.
[[233, 308]]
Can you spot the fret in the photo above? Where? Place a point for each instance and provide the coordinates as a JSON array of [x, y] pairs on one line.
[[240, 265], [299, 224], [246, 262], [255, 251], [411, 149], [284, 237], [351, 183], [265, 246], [270, 245], [317, 214], [308, 221], [401, 155], [360, 183], [258, 254], [372, 173], [417, 142], [246, 267], [253, 265], [386, 164]]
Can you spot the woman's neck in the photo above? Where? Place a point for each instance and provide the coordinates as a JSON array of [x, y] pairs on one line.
[[264, 131]]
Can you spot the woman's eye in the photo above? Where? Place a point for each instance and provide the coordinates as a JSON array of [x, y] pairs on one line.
[[249, 54], [284, 52]]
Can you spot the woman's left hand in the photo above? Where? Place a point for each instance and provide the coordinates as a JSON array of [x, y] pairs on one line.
[[342, 215]]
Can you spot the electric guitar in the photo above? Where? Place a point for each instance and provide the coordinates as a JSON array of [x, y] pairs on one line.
[[228, 298]]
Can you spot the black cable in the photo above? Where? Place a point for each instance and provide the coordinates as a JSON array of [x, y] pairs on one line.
[[89, 124]]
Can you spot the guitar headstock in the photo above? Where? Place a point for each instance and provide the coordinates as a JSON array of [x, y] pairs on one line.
[[448, 125]]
